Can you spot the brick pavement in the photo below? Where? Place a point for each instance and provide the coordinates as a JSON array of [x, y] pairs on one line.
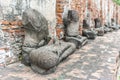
[[94, 61]]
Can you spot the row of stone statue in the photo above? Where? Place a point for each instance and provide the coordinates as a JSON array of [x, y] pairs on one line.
[[43, 56], [98, 29]]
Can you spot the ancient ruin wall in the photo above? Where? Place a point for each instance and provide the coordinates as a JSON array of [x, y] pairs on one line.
[[12, 8], [11, 27], [104, 9], [53, 10]]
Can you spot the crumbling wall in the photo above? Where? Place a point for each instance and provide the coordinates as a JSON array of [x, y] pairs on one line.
[[103, 9], [11, 27]]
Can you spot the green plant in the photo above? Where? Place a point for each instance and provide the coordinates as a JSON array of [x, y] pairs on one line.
[[117, 1]]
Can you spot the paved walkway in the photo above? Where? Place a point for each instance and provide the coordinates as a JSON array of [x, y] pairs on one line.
[[95, 61]]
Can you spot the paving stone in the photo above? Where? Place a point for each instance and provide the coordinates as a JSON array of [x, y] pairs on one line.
[[95, 61], [13, 78]]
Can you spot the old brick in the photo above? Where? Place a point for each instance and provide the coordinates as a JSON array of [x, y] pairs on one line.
[[59, 31], [59, 10], [16, 23], [5, 22]]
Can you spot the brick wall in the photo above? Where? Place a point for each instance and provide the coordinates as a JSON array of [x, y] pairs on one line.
[[59, 10], [11, 40], [104, 9]]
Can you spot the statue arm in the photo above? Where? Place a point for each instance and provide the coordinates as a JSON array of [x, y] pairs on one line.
[[41, 43]]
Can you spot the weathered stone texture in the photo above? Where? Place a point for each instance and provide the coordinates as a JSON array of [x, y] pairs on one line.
[[11, 41]]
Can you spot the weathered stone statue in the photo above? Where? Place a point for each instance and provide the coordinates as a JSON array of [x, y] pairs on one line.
[[37, 53], [45, 59], [87, 31], [114, 25], [36, 32], [86, 24], [98, 27], [71, 27], [107, 28], [97, 23]]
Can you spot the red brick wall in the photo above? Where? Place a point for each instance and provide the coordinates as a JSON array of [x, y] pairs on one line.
[[13, 39], [80, 6], [59, 10]]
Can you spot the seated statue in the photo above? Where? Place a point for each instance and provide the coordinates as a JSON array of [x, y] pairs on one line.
[[107, 28], [71, 29], [114, 25], [37, 51], [36, 32], [97, 23], [111, 26], [45, 59], [98, 27], [87, 31]]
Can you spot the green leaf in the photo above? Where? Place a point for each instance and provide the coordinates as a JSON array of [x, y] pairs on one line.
[[117, 1]]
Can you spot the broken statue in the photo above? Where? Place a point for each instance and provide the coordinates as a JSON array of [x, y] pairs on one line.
[[87, 30], [98, 27], [71, 29], [37, 53], [114, 25]]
